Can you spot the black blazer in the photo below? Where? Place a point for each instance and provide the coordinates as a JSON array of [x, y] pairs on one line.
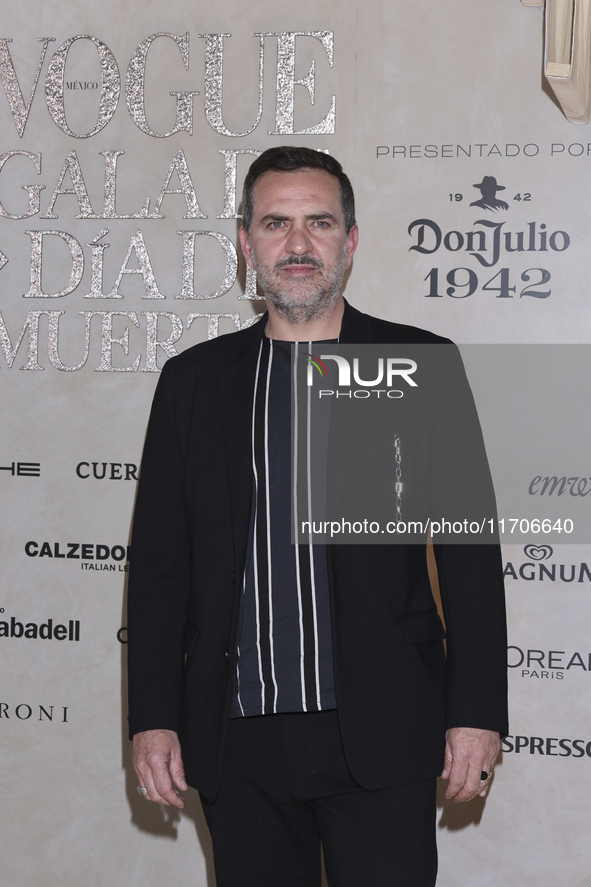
[[396, 692]]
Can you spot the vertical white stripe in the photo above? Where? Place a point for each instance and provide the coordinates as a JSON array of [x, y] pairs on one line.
[[238, 671], [310, 547], [254, 537], [238, 653], [296, 547], [268, 503]]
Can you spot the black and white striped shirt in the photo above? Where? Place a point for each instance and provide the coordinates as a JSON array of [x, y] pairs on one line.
[[284, 648]]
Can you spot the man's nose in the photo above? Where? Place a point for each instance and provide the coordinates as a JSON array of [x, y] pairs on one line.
[[298, 242]]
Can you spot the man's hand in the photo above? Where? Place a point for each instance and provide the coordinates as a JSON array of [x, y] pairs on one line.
[[468, 752], [159, 766]]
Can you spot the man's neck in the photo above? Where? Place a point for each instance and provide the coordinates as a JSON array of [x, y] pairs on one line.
[[326, 326]]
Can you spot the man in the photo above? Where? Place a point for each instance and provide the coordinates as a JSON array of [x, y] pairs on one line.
[[308, 683]]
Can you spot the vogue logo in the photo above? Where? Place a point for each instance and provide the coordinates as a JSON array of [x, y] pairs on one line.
[[288, 43]]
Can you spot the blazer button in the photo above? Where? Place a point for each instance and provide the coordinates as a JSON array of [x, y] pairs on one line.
[[233, 578], [227, 655]]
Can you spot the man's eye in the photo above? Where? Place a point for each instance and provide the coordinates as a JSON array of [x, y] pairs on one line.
[[320, 223], [275, 224]]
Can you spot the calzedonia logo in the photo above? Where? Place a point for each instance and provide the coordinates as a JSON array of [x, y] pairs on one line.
[[385, 372], [93, 556], [50, 630], [538, 566]]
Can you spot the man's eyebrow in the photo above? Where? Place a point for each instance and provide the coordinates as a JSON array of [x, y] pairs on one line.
[[314, 217], [317, 217], [274, 217]]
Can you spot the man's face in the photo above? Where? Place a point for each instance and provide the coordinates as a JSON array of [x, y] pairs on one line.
[[298, 245]]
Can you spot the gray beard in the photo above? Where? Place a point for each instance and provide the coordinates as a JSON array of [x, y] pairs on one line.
[[300, 304]]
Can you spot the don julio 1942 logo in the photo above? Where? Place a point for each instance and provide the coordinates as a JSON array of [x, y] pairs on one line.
[[487, 242]]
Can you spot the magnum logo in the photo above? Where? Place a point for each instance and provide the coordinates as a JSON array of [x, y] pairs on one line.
[[534, 569]]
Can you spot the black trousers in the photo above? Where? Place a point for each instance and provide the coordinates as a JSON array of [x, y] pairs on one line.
[[286, 789]]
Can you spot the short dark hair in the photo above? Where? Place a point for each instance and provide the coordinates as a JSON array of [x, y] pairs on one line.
[[289, 158]]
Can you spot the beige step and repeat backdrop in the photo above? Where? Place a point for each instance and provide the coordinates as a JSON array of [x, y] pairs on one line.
[[126, 133]]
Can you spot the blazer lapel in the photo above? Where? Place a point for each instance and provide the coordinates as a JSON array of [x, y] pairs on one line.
[[356, 327], [236, 386]]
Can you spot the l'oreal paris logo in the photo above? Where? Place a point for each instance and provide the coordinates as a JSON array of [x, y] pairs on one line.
[[389, 370]]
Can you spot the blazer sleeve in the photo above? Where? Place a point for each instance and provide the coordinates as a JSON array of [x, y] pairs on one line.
[[470, 575], [160, 572], [471, 586]]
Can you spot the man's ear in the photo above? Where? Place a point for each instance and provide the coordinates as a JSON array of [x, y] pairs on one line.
[[245, 244], [352, 241]]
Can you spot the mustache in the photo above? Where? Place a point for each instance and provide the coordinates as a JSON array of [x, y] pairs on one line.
[[299, 260]]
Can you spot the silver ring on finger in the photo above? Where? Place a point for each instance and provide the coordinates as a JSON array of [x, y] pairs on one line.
[[485, 775], [142, 790]]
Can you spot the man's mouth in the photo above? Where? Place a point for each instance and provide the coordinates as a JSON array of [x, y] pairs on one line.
[[299, 260], [299, 265]]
